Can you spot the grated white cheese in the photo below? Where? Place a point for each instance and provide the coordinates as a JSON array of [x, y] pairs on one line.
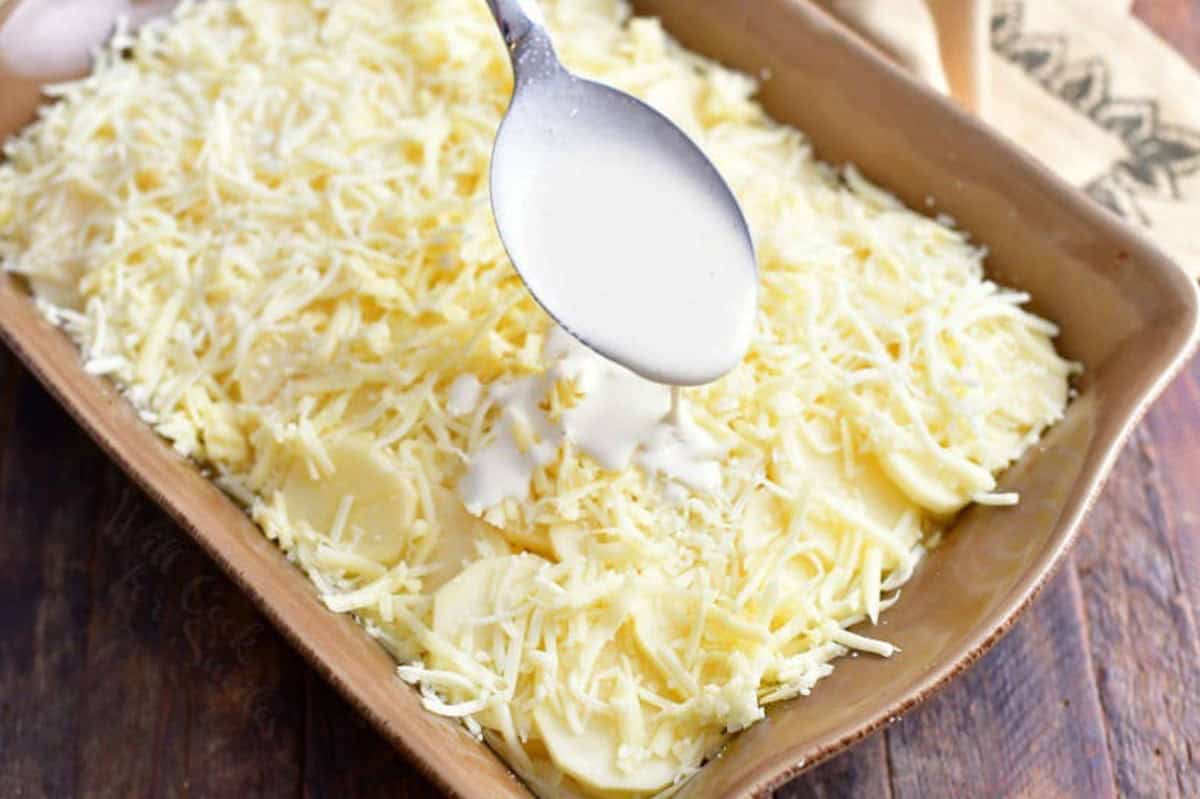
[[269, 224]]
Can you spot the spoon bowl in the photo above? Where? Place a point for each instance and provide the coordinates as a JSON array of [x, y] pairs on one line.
[[619, 225]]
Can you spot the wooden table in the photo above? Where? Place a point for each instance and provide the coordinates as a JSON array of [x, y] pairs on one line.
[[129, 666]]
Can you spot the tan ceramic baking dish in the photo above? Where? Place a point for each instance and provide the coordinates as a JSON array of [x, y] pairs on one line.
[[1126, 312]]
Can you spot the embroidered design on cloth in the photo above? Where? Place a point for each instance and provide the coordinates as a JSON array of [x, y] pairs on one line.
[[1157, 156]]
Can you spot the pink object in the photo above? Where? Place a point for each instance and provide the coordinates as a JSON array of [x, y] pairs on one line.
[[54, 40]]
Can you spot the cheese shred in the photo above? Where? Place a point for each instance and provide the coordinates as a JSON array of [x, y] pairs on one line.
[[267, 221]]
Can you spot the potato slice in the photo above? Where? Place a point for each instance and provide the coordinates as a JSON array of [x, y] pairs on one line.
[[930, 485], [590, 756], [458, 539], [384, 507], [475, 593]]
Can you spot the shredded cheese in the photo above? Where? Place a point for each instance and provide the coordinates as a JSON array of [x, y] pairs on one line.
[[268, 222]]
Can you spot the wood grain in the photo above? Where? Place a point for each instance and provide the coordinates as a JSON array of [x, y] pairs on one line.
[[43, 596], [193, 669], [862, 771], [1142, 623], [1024, 722], [1176, 21], [344, 756], [130, 666]]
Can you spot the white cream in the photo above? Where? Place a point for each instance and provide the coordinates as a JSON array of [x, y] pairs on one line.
[[624, 418], [680, 449], [621, 419], [502, 469], [630, 241], [465, 393]]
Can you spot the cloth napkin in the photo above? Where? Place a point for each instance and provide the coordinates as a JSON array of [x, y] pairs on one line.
[[1081, 84]]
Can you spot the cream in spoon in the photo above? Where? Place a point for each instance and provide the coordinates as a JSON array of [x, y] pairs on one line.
[[617, 222]]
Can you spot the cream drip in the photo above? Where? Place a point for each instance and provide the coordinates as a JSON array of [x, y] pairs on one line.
[[621, 419]]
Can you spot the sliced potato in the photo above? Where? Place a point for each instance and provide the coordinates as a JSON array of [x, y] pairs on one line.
[[384, 502], [475, 593], [591, 755], [458, 540], [924, 482]]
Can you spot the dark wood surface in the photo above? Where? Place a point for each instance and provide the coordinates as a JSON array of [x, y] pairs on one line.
[[130, 667]]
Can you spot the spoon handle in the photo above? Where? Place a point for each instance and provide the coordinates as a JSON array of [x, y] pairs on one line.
[[516, 18], [524, 30]]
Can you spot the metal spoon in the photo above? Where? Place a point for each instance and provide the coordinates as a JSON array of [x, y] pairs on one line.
[[620, 226]]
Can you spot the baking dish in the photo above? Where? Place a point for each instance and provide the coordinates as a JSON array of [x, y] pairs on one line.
[[1126, 312]]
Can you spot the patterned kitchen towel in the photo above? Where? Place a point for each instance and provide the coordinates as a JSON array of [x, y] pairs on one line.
[[1082, 84], [1109, 106]]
